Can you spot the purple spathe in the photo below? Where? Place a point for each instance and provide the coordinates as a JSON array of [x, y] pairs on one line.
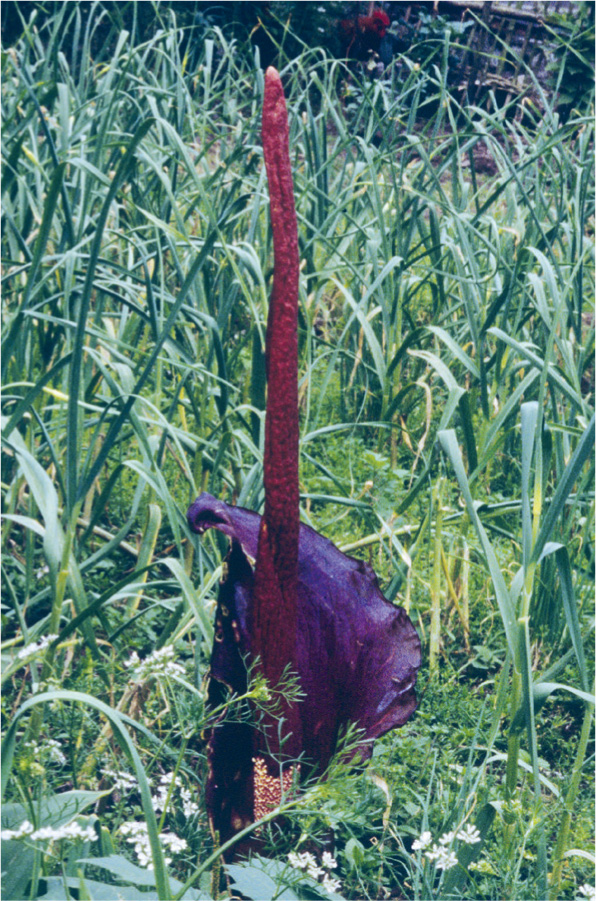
[[356, 654]]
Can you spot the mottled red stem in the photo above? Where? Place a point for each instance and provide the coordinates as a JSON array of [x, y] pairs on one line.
[[273, 625]]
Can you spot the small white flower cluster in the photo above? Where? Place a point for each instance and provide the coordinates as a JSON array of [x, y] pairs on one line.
[[36, 646], [124, 782], [587, 891], [48, 749], [47, 833], [443, 857], [26, 828], [138, 836], [159, 663], [189, 807], [307, 861]]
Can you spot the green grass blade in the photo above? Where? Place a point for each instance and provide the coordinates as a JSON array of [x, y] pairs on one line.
[[564, 488], [450, 447]]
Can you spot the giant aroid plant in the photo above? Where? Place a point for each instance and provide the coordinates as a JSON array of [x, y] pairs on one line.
[[292, 602]]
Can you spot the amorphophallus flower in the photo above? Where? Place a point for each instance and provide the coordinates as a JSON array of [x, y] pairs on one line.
[[291, 601]]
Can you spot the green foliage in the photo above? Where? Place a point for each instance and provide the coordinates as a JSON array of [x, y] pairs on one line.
[[573, 67], [446, 392]]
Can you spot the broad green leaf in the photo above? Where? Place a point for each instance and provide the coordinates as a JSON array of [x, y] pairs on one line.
[[55, 810], [130, 873], [17, 866], [254, 883], [55, 890]]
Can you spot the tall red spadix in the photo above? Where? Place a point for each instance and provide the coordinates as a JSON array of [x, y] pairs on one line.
[[272, 623]]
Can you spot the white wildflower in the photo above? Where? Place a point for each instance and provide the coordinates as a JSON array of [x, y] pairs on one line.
[[54, 752], [587, 891], [133, 828], [26, 828], [144, 858], [447, 838], [49, 749], [75, 830], [174, 842], [434, 852], [423, 842], [159, 663], [314, 871], [133, 660], [72, 830], [331, 885], [46, 833], [469, 835], [159, 800], [36, 646], [307, 861], [442, 857], [139, 838], [124, 782], [446, 861], [189, 807]]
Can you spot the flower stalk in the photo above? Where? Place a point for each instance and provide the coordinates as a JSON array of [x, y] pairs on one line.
[[273, 621], [310, 620]]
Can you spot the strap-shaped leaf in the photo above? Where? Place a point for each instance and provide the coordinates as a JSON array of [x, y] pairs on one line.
[[450, 446], [564, 487]]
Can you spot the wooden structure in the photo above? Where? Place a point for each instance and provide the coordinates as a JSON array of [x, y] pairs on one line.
[[496, 45]]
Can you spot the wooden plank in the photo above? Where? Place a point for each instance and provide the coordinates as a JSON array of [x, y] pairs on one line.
[[499, 10], [522, 54]]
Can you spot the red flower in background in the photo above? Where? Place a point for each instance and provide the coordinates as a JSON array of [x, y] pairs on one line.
[[302, 604], [362, 35]]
